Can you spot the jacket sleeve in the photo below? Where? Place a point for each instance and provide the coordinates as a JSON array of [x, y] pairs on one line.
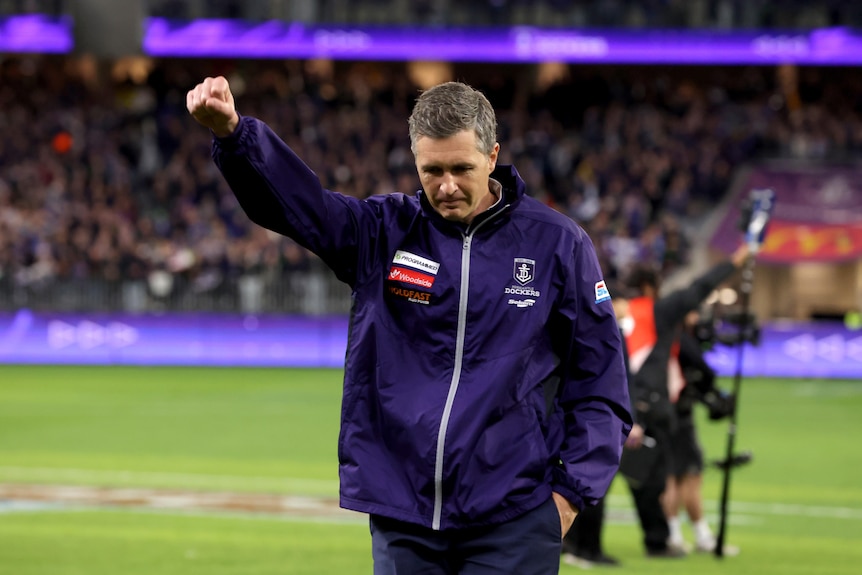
[[279, 192], [593, 395]]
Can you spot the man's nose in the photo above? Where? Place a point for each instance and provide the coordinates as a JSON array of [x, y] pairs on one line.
[[448, 185]]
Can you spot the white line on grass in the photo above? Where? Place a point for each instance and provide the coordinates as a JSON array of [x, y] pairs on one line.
[[329, 488], [619, 502], [827, 389], [13, 506], [248, 483], [797, 510], [346, 518]]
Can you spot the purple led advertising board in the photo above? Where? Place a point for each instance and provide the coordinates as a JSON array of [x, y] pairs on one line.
[[792, 350], [193, 339], [36, 33], [826, 349], [275, 39]]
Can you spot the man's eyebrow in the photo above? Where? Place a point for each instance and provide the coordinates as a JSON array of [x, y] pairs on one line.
[[455, 166]]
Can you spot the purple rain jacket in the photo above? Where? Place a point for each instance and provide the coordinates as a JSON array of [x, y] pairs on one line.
[[484, 367]]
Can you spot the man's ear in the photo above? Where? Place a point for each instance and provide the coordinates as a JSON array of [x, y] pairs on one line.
[[492, 157]]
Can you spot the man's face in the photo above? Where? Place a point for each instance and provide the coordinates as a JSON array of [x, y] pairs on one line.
[[454, 175]]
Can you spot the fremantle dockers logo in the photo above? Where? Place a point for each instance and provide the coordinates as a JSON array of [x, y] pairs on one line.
[[524, 270]]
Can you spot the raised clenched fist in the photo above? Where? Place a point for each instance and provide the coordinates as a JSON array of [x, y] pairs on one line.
[[211, 104]]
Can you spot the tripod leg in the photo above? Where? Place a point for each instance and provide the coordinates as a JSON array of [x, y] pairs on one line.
[[745, 298]]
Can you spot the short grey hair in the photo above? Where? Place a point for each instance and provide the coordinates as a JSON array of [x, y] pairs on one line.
[[452, 107]]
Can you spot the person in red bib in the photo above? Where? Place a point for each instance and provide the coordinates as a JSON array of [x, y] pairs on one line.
[[652, 330]]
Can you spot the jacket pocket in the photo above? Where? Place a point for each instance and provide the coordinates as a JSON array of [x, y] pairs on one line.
[[507, 462]]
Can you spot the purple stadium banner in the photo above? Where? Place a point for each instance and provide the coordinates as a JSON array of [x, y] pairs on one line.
[[792, 350], [275, 39], [36, 33], [817, 217]]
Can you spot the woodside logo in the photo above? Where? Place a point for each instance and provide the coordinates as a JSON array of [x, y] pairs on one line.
[[411, 277]]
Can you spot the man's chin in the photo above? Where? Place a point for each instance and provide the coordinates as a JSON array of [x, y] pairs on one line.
[[452, 215]]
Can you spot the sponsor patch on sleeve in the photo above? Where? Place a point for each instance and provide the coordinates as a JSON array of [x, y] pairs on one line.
[[415, 262], [412, 277], [602, 293], [413, 296]]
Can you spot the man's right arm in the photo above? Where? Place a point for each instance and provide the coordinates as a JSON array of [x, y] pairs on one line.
[[277, 190]]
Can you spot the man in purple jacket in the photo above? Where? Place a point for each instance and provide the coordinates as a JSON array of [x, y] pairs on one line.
[[485, 398]]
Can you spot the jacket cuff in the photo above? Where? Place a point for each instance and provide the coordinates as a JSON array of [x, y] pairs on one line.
[[232, 141], [562, 484]]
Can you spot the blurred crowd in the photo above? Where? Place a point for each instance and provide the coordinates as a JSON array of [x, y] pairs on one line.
[[110, 180]]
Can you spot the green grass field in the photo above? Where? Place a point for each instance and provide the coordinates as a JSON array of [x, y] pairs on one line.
[[797, 509]]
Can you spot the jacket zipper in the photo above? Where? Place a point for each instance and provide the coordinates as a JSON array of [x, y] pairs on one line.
[[456, 372]]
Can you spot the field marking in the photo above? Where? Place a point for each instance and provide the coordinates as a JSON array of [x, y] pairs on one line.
[[59, 475], [319, 486], [38, 507], [827, 389], [348, 518], [797, 510], [26, 506], [615, 516], [27, 497], [88, 496], [623, 503]]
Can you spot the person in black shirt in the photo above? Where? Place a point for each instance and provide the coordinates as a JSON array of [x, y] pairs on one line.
[[652, 338]]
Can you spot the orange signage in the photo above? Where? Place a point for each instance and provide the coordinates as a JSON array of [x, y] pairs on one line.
[[793, 242]]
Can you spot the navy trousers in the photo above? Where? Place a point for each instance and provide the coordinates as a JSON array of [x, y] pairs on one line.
[[527, 545]]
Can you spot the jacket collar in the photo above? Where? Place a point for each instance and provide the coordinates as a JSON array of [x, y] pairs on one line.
[[514, 188]]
